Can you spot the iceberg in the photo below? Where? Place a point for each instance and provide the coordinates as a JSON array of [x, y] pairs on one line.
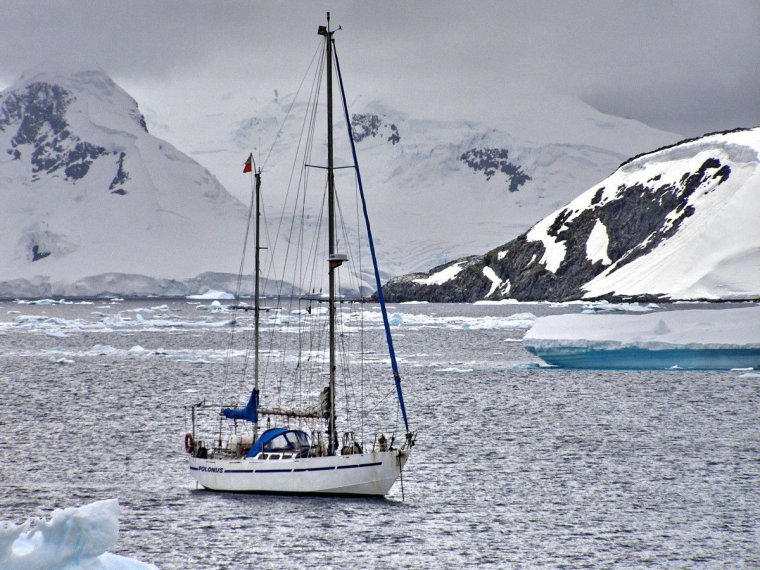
[[211, 294], [696, 339], [73, 538]]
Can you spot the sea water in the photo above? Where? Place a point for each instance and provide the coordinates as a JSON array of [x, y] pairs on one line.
[[516, 465]]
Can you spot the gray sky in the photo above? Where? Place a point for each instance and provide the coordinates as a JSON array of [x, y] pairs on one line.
[[685, 66]]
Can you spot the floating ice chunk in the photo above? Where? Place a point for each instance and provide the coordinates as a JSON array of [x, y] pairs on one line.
[[213, 307], [521, 320], [712, 339], [212, 294], [57, 334], [607, 307], [102, 350], [72, 538]]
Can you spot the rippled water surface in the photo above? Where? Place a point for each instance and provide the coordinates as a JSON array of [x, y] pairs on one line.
[[516, 465]]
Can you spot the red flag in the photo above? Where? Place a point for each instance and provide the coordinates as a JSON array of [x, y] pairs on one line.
[[248, 164]]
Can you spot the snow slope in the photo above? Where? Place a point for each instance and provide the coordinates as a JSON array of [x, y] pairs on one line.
[[676, 223], [91, 203], [715, 253]]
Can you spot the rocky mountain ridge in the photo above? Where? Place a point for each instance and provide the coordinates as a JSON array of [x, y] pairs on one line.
[[676, 223]]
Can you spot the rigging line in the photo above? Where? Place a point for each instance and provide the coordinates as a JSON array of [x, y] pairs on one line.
[[312, 251], [356, 259], [308, 126], [362, 346], [377, 405], [301, 189], [306, 175], [266, 326], [352, 277], [304, 145], [381, 299], [296, 279], [348, 377], [293, 102], [308, 275], [238, 285], [317, 324]]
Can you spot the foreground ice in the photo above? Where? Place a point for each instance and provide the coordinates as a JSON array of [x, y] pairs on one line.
[[73, 538], [712, 339]]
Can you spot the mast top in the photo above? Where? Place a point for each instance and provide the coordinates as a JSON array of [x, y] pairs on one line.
[[325, 30]]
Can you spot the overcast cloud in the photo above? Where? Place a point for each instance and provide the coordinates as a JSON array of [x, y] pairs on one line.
[[684, 66]]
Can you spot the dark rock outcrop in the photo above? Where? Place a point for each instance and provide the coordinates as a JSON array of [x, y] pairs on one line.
[[371, 125], [489, 161], [38, 115]]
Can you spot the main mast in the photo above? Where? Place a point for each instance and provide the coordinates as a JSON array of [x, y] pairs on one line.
[[334, 260]]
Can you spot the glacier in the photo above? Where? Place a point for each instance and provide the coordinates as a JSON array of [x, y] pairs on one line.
[[73, 538], [696, 339]]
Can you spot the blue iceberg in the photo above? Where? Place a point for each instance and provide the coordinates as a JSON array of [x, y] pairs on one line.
[[73, 538], [695, 339]]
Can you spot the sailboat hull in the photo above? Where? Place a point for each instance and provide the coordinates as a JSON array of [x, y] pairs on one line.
[[368, 474]]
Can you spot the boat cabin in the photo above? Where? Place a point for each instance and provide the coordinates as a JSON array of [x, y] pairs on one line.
[[281, 440]]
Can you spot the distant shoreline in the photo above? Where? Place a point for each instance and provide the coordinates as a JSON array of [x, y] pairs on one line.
[[645, 299]]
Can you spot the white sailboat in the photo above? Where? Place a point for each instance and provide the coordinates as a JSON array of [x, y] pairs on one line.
[[291, 455]]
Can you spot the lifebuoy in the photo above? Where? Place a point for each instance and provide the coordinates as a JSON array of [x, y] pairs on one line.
[[188, 442]]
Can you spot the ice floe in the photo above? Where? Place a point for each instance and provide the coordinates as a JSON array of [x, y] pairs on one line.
[[607, 307], [708, 339], [132, 319], [411, 320]]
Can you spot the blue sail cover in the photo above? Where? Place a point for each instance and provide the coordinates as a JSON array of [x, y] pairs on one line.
[[294, 441], [264, 438], [249, 413]]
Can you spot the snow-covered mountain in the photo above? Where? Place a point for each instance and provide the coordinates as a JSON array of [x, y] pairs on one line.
[[439, 189], [91, 203], [676, 223]]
